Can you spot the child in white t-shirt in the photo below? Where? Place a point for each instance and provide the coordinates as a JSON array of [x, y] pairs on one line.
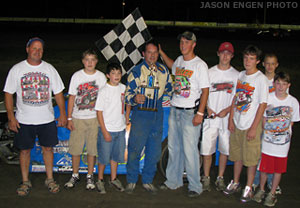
[[281, 113], [223, 78], [244, 122], [111, 136], [270, 64], [82, 119]]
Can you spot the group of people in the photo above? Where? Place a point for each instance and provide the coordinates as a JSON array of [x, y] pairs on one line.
[[249, 114]]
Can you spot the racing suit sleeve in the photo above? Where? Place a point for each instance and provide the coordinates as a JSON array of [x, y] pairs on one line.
[[169, 85], [131, 88]]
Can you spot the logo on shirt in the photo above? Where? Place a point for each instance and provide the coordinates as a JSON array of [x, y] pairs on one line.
[[35, 89], [182, 84], [244, 92], [223, 86], [87, 95], [277, 126]]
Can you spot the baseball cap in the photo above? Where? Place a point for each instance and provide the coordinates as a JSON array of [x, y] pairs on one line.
[[31, 40], [226, 46], [188, 35]]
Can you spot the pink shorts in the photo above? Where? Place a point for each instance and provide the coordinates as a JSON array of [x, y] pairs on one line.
[[271, 164]]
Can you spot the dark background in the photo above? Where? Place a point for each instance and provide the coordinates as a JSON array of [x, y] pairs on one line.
[[171, 10], [64, 46]]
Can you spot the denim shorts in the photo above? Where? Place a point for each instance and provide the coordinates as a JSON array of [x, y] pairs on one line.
[[113, 150], [46, 133]]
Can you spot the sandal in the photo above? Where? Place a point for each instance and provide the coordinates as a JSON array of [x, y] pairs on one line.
[[52, 186], [24, 188]]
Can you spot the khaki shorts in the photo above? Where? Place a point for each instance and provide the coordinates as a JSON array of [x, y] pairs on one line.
[[242, 149], [85, 133]]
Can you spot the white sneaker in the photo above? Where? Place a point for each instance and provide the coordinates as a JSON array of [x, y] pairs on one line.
[[90, 185]]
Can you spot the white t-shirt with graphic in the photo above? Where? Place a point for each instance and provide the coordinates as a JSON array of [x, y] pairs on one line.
[[112, 104], [34, 86], [270, 84], [190, 77], [277, 129], [251, 91], [221, 93], [85, 87]]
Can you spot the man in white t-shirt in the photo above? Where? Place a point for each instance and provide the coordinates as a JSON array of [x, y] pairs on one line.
[[82, 119], [281, 113], [34, 80], [245, 120], [191, 83], [223, 78]]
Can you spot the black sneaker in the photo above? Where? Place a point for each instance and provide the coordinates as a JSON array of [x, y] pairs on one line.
[[193, 194]]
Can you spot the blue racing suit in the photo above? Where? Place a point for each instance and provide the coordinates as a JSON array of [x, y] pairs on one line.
[[146, 126]]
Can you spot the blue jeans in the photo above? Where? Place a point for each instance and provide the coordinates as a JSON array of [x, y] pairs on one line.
[[183, 140], [113, 150], [257, 179], [146, 131]]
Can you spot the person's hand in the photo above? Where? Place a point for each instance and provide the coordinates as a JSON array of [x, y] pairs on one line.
[[251, 133], [211, 113], [13, 124], [140, 99], [70, 125], [231, 126], [223, 113], [127, 121], [107, 136], [62, 120], [197, 120]]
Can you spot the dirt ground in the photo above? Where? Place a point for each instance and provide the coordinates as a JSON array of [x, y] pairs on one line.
[[64, 45]]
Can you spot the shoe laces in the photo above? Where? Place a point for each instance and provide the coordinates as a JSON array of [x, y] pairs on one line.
[[90, 179], [247, 191]]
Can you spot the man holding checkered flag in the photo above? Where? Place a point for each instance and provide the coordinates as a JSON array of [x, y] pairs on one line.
[[147, 82]]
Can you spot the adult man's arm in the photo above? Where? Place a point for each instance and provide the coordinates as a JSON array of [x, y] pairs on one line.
[[131, 94], [13, 123], [62, 119], [169, 62]]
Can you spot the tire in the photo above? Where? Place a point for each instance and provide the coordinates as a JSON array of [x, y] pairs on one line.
[[163, 162]]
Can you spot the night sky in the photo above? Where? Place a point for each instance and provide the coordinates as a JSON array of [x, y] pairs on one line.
[[176, 10]]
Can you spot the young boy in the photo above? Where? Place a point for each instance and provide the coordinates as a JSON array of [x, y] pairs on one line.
[[111, 136], [245, 118], [281, 113], [82, 119], [223, 78], [270, 64]]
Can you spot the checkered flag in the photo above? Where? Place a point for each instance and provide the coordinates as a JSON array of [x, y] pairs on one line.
[[124, 43]]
